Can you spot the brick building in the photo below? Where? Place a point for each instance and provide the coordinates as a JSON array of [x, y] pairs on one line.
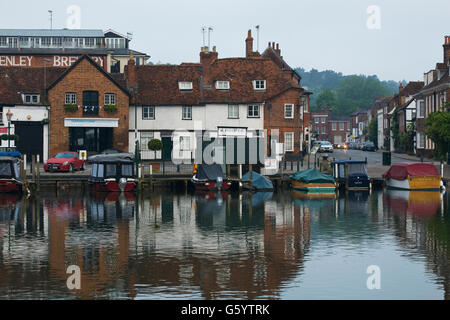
[[78, 117], [339, 129], [319, 125]]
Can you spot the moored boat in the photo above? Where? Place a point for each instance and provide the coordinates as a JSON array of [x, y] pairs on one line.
[[9, 175], [352, 174], [312, 180], [259, 182], [112, 174], [413, 176], [209, 177]]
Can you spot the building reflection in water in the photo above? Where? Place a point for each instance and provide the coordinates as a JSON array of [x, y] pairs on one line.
[[210, 245]]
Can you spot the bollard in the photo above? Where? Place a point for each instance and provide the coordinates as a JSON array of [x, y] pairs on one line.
[[38, 173]]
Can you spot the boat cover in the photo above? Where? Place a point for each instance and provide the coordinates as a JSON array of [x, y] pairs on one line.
[[259, 181], [312, 176], [401, 170], [209, 172]]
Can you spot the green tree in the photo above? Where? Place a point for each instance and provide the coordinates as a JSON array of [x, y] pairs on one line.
[[326, 98], [438, 130], [373, 131]]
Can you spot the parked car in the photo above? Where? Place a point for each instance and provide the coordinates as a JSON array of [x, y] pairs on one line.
[[114, 153], [340, 145], [9, 152], [64, 161], [325, 146], [368, 146]]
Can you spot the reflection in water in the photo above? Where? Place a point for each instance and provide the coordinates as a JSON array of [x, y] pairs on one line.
[[208, 245]]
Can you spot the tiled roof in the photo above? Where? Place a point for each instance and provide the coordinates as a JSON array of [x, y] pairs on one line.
[[444, 80], [412, 88], [14, 81]]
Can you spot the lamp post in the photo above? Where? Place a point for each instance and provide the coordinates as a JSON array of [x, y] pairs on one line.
[[9, 115]]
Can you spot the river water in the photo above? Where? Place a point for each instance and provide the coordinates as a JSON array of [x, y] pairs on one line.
[[358, 245]]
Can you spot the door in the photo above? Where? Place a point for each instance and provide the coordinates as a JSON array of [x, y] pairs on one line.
[[31, 138], [167, 148]]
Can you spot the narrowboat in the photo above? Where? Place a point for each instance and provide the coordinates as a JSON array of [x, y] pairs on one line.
[[413, 176], [209, 177], [259, 182], [9, 175], [352, 174], [112, 175], [314, 181]]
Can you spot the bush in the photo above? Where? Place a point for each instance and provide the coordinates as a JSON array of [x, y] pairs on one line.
[[155, 145], [110, 108], [9, 137], [70, 107]]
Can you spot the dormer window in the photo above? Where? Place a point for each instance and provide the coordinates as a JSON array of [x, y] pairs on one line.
[[259, 85], [185, 86], [223, 85], [31, 98]]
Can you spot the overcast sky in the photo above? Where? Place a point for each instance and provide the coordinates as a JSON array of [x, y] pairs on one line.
[[396, 40]]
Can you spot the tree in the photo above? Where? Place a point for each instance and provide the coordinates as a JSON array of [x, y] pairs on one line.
[[438, 130], [155, 145], [373, 131], [326, 98]]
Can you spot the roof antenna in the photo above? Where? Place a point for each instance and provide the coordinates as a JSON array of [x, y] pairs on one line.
[[209, 38], [257, 37], [51, 19], [203, 33]]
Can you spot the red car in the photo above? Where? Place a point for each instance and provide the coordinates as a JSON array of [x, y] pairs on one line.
[[64, 161]]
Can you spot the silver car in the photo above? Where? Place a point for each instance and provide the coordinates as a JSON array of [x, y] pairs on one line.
[[325, 146], [113, 153]]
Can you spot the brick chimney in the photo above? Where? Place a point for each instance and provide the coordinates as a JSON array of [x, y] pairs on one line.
[[249, 44], [447, 50], [131, 71], [206, 57], [277, 50]]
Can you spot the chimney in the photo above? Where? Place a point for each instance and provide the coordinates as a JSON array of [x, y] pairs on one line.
[[249, 44], [447, 50], [278, 51], [131, 71], [208, 57]]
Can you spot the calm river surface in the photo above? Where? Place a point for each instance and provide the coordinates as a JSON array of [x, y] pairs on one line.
[[226, 246]]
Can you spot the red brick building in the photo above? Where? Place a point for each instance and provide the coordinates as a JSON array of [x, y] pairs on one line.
[[319, 125], [78, 117]]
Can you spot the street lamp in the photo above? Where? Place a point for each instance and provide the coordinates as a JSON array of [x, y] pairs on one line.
[[9, 115]]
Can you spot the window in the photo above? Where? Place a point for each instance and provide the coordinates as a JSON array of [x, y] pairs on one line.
[[323, 119], [324, 129], [110, 99], [289, 111], [148, 112], [341, 126], [316, 120], [421, 109], [127, 170], [31, 98], [187, 113], [56, 42], [185, 86], [259, 84], [185, 143], [94, 169], [111, 170], [71, 98], [12, 42], [89, 42], [100, 170], [90, 102], [222, 85], [289, 141], [2, 41], [253, 111], [145, 138], [233, 111], [333, 126], [420, 140], [46, 41]]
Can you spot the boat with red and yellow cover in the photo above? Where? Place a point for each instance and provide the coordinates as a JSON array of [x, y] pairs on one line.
[[413, 176]]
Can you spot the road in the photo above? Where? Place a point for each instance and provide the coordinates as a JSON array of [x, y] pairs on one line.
[[372, 157]]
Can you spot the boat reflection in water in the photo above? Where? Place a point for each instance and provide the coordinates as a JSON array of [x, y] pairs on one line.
[[416, 203]]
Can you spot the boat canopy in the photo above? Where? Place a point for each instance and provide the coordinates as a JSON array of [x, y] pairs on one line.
[[258, 181], [209, 171], [9, 167], [355, 167], [403, 170], [312, 176]]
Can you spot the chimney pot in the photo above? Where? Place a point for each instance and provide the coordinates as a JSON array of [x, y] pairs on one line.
[[249, 44]]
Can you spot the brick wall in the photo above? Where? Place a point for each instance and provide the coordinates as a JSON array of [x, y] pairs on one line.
[[83, 77]]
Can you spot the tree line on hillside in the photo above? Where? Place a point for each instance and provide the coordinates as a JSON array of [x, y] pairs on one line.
[[344, 94]]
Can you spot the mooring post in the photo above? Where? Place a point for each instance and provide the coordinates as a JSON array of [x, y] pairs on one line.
[[346, 176], [33, 168], [240, 177], [250, 176], [151, 177], [38, 173]]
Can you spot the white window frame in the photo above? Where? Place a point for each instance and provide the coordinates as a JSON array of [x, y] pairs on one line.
[[185, 85], [222, 85], [233, 111], [334, 126], [71, 98], [110, 99], [341, 126], [286, 116], [251, 111], [145, 137], [186, 113], [316, 119], [289, 148], [150, 110], [420, 104], [324, 129], [185, 143], [420, 140], [259, 85], [30, 97], [323, 119]]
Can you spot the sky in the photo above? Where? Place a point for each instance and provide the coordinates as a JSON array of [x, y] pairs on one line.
[[393, 39]]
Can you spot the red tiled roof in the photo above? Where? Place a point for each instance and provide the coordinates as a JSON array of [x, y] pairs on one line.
[[14, 81], [412, 88]]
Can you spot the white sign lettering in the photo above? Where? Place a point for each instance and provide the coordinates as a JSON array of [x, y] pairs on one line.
[[15, 61], [58, 61]]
